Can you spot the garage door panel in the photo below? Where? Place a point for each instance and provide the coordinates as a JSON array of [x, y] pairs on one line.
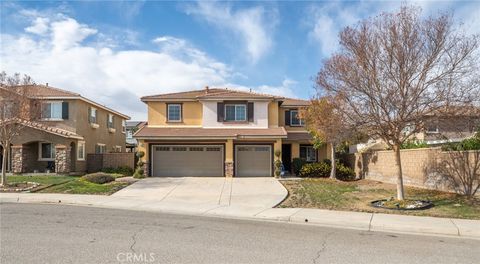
[[187, 160], [253, 160]]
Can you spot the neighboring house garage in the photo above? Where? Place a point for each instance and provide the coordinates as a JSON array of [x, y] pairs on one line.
[[253, 160], [187, 160]]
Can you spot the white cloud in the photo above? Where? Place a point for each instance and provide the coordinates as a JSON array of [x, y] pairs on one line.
[[111, 77], [285, 89], [255, 26], [40, 26]]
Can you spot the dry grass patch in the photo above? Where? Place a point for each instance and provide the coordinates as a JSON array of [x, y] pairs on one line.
[[356, 196]]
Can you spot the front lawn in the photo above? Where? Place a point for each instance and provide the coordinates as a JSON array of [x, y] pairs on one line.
[[357, 195], [68, 184], [81, 186]]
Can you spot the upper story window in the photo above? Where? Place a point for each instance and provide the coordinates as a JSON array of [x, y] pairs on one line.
[[174, 112], [110, 121], [235, 112], [92, 115], [7, 109], [295, 119], [129, 133], [124, 126], [52, 111], [432, 126]]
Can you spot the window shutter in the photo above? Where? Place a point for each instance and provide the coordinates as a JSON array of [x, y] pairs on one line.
[[287, 117], [250, 112], [220, 112], [89, 115], [64, 110]]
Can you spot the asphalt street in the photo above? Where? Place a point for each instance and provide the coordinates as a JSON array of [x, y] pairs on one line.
[[34, 233]]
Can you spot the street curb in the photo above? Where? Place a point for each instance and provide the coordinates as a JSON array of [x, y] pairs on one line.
[[369, 222]]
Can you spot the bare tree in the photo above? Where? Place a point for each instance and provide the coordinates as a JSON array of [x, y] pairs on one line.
[[396, 68], [327, 124], [15, 108], [461, 169]]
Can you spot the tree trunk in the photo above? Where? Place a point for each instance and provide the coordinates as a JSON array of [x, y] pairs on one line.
[[4, 166], [398, 164], [333, 172]]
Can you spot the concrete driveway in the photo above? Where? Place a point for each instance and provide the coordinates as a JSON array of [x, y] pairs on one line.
[[208, 195]]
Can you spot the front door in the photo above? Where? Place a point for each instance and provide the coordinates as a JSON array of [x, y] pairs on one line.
[[287, 157]]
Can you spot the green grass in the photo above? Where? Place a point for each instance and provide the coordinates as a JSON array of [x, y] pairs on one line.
[[356, 196], [81, 186], [70, 184], [42, 179]]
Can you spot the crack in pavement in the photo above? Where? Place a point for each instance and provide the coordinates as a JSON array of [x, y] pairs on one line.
[[323, 248], [134, 238]]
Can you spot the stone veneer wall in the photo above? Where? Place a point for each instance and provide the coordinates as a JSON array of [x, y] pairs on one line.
[[419, 167], [229, 169], [62, 159]]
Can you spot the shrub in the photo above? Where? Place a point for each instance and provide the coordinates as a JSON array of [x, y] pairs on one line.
[[344, 173], [472, 143], [124, 170], [320, 169], [139, 172], [297, 164], [414, 144], [99, 178]]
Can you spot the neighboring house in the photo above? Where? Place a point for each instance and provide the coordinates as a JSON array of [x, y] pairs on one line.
[[444, 127], [222, 132], [132, 127], [65, 129]]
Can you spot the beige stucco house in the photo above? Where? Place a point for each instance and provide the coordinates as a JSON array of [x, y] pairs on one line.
[[222, 132], [65, 128]]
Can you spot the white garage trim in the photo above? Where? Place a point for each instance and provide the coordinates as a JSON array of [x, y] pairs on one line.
[[217, 162]]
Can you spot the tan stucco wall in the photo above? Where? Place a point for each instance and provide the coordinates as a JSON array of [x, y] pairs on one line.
[[191, 114], [229, 150], [281, 120], [273, 114]]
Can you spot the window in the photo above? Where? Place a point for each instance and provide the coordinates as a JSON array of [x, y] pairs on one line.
[[235, 112], [124, 126], [308, 153], [92, 115], [432, 126], [174, 112], [294, 119], [110, 121], [81, 150], [100, 148], [52, 111], [117, 149], [46, 151], [6, 108]]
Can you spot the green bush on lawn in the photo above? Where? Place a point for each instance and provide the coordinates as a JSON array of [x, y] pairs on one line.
[[123, 170], [297, 164], [99, 178], [322, 170]]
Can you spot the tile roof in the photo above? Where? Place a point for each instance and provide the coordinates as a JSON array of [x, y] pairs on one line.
[[38, 90], [210, 93], [294, 102], [52, 130], [299, 136], [169, 132]]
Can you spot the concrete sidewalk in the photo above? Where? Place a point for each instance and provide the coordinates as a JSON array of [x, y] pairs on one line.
[[340, 219]]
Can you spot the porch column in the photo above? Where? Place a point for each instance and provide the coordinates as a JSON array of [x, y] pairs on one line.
[[295, 150], [19, 159], [277, 146], [62, 159], [229, 158]]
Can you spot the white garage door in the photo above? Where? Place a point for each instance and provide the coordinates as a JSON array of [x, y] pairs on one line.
[[187, 160], [253, 160]]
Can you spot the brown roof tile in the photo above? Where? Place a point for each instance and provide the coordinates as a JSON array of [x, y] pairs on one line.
[[169, 132], [299, 136], [210, 93], [290, 102], [46, 91]]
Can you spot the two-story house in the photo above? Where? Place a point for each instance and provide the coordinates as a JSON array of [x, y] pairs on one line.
[[64, 129], [222, 132]]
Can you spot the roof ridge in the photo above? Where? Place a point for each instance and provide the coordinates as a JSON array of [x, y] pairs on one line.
[[53, 88], [191, 91]]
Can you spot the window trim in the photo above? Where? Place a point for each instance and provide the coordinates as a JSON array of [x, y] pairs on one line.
[[124, 126], [306, 152], [300, 121], [40, 158], [436, 131], [83, 152], [93, 109], [117, 149], [180, 115], [110, 124], [235, 107], [51, 118], [101, 144]]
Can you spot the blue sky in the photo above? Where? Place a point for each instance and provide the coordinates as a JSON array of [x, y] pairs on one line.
[[117, 51]]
